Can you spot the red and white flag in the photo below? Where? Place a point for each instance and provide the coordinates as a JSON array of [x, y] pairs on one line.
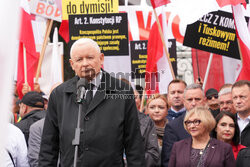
[[157, 3], [158, 73], [243, 36], [26, 40]]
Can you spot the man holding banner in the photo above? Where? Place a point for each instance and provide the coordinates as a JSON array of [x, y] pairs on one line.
[[109, 123]]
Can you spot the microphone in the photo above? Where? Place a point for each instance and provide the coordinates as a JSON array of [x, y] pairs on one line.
[[81, 89]]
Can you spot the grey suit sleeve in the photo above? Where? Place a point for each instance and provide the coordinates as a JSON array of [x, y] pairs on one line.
[[152, 153], [34, 142], [168, 140]]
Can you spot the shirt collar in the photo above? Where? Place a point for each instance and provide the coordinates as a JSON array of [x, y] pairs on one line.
[[97, 80], [239, 118], [181, 110]]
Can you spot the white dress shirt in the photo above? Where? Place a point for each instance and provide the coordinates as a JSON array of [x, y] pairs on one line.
[[242, 122]]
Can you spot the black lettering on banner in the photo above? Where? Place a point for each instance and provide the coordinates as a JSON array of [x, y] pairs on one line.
[[214, 32], [138, 50], [110, 31]]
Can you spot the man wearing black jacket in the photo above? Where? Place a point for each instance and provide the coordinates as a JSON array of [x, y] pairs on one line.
[[109, 123], [31, 110], [241, 102]]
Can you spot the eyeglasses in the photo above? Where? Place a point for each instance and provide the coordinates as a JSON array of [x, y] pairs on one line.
[[210, 97], [196, 122]]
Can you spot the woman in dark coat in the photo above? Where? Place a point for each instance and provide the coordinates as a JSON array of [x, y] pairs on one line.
[[227, 130], [201, 150]]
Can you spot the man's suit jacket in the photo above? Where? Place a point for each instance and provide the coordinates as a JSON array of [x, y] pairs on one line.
[[219, 155], [109, 126], [174, 131], [245, 136]]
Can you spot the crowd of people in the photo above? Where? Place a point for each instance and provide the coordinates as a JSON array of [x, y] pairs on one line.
[[186, 127]]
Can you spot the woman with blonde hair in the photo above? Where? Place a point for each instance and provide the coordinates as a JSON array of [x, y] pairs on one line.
[[157, 109], [201, 150]]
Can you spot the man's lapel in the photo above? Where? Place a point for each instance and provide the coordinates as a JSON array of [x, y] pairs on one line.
[[105, 87]]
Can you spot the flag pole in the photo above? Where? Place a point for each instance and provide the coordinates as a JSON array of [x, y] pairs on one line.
[[197, 62], [207, 71], [25, 65], [163, 42], [48, 29]]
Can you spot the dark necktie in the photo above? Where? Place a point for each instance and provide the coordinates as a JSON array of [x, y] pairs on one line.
[[89, 95]]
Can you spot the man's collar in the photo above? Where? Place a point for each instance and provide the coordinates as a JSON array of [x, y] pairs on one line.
[[239, 118], [97, 80], [181, 110]]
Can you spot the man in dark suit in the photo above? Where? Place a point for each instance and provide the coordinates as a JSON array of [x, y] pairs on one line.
[[109, 123], [241, 103], [174, 131], [175, 98]]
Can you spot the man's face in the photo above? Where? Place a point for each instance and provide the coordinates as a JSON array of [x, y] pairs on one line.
[[241, 98], [226, 103], [175, 95], [213, 101], [193, 98], [86, 61]]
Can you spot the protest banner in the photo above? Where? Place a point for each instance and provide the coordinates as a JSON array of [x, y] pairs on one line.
[[72, 7], [139, 57], [46, 8], [214, 32], [110, 31]]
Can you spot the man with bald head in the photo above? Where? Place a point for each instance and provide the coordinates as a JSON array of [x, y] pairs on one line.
[[109, 124], [174, 131]]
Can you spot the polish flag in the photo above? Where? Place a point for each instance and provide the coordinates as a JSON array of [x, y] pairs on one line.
[[157, 3], [158, 73], [222, 3], [26, 39], [243, 35], [64, 30], [223, 69]]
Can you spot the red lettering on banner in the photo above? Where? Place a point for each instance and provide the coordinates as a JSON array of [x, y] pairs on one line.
[[57, 13], [143, 31], [49, 10], [40, 8], [130, 37], [167, 16], [176, 29]]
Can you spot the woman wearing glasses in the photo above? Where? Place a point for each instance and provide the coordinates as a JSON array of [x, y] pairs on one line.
[[227, 130], [201, 150]]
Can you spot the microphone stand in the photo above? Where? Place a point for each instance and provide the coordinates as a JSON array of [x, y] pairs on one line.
[[76, 140]]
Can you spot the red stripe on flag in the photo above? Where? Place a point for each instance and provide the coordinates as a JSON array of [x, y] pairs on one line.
[[155, 52], [32, 57], [216, 73], [64, 30], [157, 3], [243, 37], [222, 3]]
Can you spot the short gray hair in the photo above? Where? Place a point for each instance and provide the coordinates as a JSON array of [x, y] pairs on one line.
[[224, 91], [83, 41], [193, 86]]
